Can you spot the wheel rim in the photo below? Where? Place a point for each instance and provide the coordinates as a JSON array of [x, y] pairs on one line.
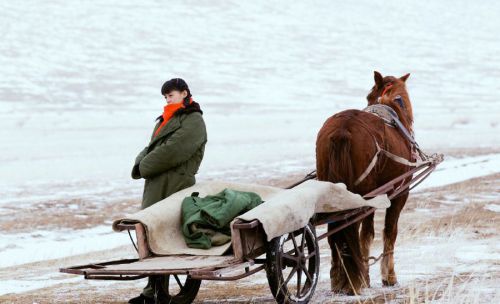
[[298, 259], [174, 287]]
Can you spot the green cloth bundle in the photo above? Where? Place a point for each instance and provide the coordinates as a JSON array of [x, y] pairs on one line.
[[205, 221]]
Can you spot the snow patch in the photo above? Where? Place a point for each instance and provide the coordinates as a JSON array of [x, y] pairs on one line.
[[23, 285], [454, 170], [22, 248], [493, 207]]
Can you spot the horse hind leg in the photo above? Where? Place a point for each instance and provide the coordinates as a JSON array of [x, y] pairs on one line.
[[390, 233], [347, 271], [367, 234], [338, 278]]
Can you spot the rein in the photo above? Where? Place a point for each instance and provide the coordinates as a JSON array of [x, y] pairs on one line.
[[376, 259]]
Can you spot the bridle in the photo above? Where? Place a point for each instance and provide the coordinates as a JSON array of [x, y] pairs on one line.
[[397, 99], [386, 87]]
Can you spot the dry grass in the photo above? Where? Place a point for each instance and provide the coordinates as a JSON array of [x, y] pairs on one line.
[[75, 214]]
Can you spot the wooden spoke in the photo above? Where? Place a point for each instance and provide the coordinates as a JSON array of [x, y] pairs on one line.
[[289, 257], [188, 288], [310, 255], [306, 271], [299, 277], [295, 243], [178, 281], [291, 275], [291, 251], [302, 241]]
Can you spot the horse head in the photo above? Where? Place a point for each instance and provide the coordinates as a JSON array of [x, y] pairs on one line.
[[391, 91]]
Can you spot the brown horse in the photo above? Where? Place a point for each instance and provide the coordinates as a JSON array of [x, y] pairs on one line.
[[345, 146]]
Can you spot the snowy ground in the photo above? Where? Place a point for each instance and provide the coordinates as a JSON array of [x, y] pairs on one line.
[[447, 252], [17, 247], [79, 91]]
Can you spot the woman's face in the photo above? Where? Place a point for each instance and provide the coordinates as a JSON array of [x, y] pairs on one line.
[[175, 96]]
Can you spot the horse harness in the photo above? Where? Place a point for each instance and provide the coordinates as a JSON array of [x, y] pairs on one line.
[[390, 117]]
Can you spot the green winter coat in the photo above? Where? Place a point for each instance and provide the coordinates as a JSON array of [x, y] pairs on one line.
[[205, 221], [172, 158]]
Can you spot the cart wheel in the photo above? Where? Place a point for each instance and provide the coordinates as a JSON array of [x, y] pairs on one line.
[[175, 289], [292, 265]]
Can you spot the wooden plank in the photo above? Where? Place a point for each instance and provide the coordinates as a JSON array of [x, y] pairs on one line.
[[165, 264], [253, 242], [142, 244], [236, 242], [248, 240]]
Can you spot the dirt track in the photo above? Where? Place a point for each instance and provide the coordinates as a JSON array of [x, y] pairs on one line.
[[454, 213]]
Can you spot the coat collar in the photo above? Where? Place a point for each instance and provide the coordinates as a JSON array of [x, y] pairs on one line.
[[175, 122]]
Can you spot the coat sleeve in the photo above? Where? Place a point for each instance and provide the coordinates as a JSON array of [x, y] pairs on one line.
[[180, 147], [135, 170]]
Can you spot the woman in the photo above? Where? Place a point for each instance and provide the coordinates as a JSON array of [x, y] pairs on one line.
[[172, 158]]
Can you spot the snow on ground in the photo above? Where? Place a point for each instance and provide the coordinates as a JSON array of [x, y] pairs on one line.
[[493, 207], [80, 82], [22, 248], [17, 286], [454, 260], [17, 248], [454, 170], [97, 190], [79, 91]]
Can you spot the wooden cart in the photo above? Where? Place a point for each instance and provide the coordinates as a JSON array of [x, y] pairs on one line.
[[291, 261]]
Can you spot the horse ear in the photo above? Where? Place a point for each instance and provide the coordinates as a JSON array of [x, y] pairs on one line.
[[405, 77], [378, 78]]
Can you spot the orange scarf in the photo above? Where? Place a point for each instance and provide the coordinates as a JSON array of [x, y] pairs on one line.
[[169, 111]]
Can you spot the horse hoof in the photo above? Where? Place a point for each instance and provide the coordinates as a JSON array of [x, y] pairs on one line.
[[389, 282], [337, 288], [350, 292], [337, 282], [345, 289]]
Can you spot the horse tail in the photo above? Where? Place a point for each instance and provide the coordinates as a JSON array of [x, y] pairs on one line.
[[340, 166], [345, 244]]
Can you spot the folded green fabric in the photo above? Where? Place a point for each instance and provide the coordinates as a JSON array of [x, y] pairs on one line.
[[205, 221]]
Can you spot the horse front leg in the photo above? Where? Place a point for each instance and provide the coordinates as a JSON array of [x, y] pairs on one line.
[[390, 233]]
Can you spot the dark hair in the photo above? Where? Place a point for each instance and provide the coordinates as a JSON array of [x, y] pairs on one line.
[[175, 84]]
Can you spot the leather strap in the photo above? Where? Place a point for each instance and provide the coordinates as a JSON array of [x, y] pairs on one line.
[[392, 156]]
